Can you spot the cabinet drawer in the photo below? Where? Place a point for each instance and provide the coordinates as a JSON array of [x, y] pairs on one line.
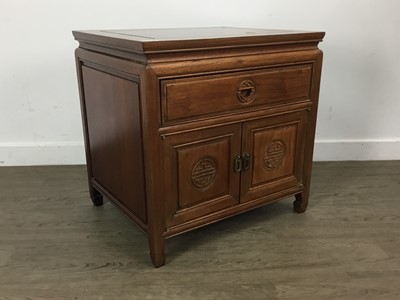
[[188, 98]]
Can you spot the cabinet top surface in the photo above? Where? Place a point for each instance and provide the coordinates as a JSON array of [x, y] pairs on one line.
[[168, 34], [166, 39]]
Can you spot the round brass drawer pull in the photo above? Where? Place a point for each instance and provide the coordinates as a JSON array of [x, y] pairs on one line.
[[246, 91]]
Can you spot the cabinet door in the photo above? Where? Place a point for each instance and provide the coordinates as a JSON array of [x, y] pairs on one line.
[[275, 147], [198, 169]]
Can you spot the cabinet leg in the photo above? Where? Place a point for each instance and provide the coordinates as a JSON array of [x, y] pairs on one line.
[[301, 202], [96, 196], [157, 252]]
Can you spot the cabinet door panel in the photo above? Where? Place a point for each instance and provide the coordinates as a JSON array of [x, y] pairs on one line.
[[276, 148], [199, 172]]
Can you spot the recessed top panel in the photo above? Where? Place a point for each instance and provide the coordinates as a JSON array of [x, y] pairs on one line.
[[172, 34]]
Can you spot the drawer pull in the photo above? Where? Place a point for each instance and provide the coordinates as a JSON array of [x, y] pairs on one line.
[[237, 165], [246, 162], [246, 91]]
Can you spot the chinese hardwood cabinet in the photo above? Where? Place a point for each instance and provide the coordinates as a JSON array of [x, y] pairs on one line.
[[185, 127]]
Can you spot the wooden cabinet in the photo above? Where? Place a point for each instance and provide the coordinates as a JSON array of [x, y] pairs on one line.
[[184, 127]]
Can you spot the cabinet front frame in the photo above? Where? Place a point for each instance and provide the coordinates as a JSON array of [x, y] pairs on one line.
[[175, 70]]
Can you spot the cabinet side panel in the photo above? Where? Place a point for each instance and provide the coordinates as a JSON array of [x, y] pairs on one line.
[[113, 120]]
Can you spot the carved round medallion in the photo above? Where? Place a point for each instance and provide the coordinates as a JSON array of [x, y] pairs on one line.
[[246, 91], [204, 171], [274, 154]]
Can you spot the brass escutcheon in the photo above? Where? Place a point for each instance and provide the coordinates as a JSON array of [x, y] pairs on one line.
[[246, 91]]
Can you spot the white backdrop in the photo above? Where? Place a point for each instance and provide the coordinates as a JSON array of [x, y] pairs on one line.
[[39, 106]]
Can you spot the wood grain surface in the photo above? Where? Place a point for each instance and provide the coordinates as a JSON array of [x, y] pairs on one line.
[[54, 244]]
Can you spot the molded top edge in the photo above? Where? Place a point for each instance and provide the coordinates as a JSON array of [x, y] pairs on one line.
[[155, 40]]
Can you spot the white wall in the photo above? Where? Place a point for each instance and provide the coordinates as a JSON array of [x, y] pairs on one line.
[[39, 107]]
